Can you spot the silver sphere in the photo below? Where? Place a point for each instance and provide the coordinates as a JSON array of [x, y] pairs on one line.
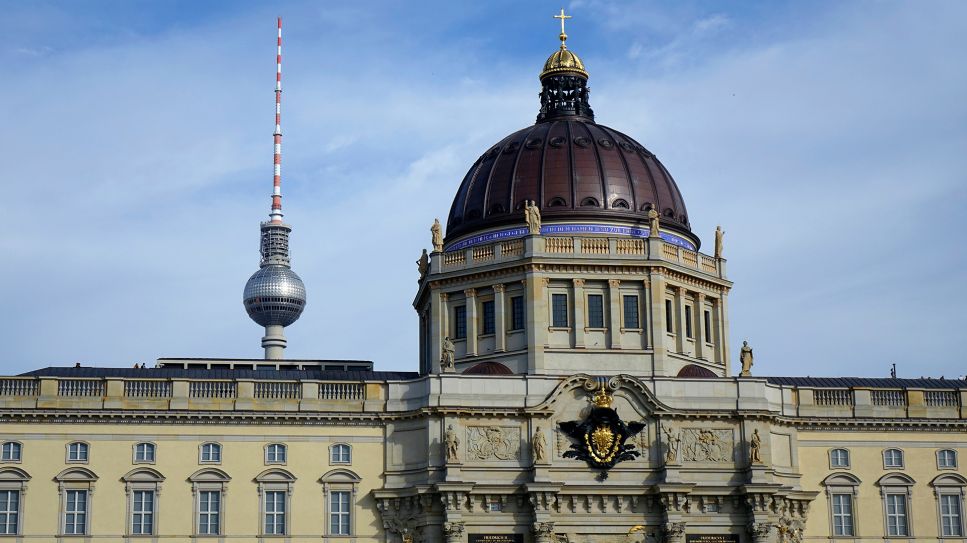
[[274, 295]]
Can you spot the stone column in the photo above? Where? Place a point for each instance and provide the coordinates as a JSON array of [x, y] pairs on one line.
[[544, 532], [471, 295], [724, 354], [700, 328], [578, 295], [680, 319], [439, 328], [500, 328], [535, 318], [614, 292], [762, 532], [656, 320]]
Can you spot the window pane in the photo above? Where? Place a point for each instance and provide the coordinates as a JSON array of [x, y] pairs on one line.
[[708, 327], [460, 322], [517, 313], [275, 512], [339, 513], [75, 515], [631, 312], [688, 321], [488, 317], [209, 504], [951, 520], [896, 514], [669, 323], [142, 521], [595, 311], [559, 310], [842, 515], [9, 511]]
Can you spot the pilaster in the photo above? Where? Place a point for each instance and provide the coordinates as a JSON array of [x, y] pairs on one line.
[[579, 320], [679, 319], [500, 327], [700, 326], [438, 328], [614, 302], [536, 315], [657, 321], [471, 295]]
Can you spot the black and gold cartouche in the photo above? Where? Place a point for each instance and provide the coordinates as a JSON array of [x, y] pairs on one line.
[[600, 439]]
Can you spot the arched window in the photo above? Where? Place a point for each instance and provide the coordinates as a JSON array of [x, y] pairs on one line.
[[76, 489], [339, 488], [838, 458], [275, 489], [275, 453], [340, 453], [210, 453], [143, 487], [892, 458], [13, 485], [949, 489], [841, 491], [208, 486], [946, 459], [144, 453], [11, 451], [896, 489], [78, 452]]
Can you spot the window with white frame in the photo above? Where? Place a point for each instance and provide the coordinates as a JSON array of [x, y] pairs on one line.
[[77, 452], [841, 491], [144, 453], [275, 453], [951, 515], [142, 512], [210, 453], [339, 488], [13, 483], [340, 453], [274, 512], [946, 459], [842, 507], [76, 486], [893, 458], [839, 458], [275, 488], [142, 486], [9, 512], [208, 487], [339, 512], [11, 451], [895, 488]]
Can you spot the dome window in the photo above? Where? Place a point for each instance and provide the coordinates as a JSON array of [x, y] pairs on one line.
[[627, 147], [620, 204], [557, 202], [669, 213], [557, 141], [606, 144], [647, 206], [582, 141], [589, 202], [533, 143], [514, 145], [495, 209]]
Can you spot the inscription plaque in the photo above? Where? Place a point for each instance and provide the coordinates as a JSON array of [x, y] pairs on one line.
[[712, 538], [496, 538]]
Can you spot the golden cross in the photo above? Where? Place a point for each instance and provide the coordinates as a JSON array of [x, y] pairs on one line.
[[562, 17]]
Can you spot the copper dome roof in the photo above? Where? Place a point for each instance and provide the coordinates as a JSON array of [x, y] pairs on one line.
[[574, 169]]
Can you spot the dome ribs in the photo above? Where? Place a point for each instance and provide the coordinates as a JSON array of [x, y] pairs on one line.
[[457, 210], [474, 209], [616, 181], [495, 197], [514, 179], [632, 182], [527, 177], [587, 171], [557, 157]]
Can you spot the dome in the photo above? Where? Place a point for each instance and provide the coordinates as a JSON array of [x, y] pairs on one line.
[[489, 368], [561, 61], [691, 371], [571, 167], [574, 169], [274, 295]]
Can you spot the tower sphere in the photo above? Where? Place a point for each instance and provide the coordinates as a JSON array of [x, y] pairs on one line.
[[274, 295]]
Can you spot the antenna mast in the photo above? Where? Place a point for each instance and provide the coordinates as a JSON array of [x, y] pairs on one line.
[[276, 214]]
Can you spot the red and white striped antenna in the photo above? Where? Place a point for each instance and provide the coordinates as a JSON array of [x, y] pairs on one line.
[[276, 214]]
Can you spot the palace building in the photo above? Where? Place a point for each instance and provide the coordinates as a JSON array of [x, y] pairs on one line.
[[574, 384]]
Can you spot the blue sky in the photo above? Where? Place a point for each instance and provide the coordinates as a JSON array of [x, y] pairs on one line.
[[829, 139]]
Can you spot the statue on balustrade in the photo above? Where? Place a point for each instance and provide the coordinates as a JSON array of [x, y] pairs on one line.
[[653, 231], [719, 234], [532, 216], [745, 357], [436, 234]]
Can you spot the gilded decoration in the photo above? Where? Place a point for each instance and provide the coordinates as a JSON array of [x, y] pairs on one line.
[[493, 443], [705, 445], [600, 439]]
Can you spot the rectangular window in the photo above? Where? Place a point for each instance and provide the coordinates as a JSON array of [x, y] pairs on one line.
[[951, 518], [9, 511], [488, 317], [708, 327], [842, 514], [460, 322], [559, 310], [209, 511], [275, 512], [275, 453], [11, 452], [77, 452], [839, 458], [669, 320], [517, 313], [631, 312], [144, 452], [75, 512], [688, 321], [339, 515], [946, 459], [595, 311], [893, 458], [142, 513], [896, 515]]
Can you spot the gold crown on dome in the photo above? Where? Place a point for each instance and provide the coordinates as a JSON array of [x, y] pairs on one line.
[[601, 398], [563, 60]]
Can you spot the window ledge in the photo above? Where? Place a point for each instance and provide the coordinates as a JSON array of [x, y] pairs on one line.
[[559, 328], [485, 336], [623, 330], [595, 329]]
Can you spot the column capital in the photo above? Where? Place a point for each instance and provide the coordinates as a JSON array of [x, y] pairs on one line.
[[499, 287], [470, 292], [444, 296], [578, 282], [700, 296], [679, 290], [614, 283]]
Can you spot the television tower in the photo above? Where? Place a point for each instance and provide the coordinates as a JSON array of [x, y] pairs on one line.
[[275, 295]]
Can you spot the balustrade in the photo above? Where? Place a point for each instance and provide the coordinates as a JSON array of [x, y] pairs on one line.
[[833, 397], [889, 398], [278, 390], [80, 387], [340, 391], [212, 389], [940, 398], [18, 387], [147, 389]]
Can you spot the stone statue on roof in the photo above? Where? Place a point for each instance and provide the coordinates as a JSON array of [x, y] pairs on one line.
[[653, 231], [436, 234], [532, 216], [719, 234], [745, 357]]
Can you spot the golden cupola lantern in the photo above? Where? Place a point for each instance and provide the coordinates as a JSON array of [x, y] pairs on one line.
[[563, 60]]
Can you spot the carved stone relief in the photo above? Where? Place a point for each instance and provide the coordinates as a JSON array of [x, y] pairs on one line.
[[493, 443], [705, 445]]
